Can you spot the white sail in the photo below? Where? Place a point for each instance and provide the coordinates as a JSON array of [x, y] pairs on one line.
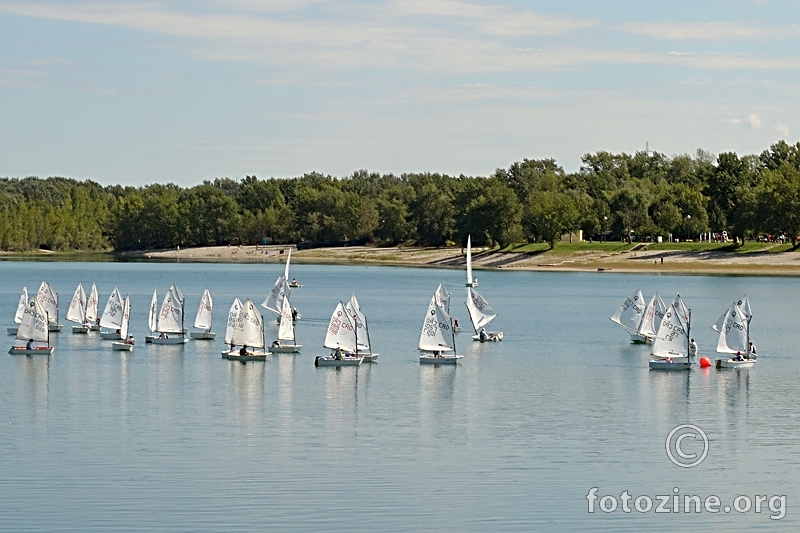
[[204, 312], [178, 294], [274, 301], [341, 331], [249, 328], [733, 335], [77, 306], [437, 330], [112, 314], [744, 303], [126, 317], [469, 260], [652, 317], [286, 327], [49, 301], [360, 322], [673, 334], [34, 325], [233, 314], [629, 314], [92, 304], [286, 268], [443, 297], [479, 310], [170, 318], [152, 316], [21, 306]]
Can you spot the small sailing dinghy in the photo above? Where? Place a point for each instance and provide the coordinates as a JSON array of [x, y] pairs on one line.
[[286, 342], [92, 318], [359, 320], [111, 319], [437, 337], [471, 281], [77, 311], [481, 314], [233, 315], [21, 306], [203, 319], [734, 336], [49, 300], [629, 316], [170, 319], [651, 319], [126, 344], [152, 319], [671, 345], [249, 332], [33, 328], [341, 338]]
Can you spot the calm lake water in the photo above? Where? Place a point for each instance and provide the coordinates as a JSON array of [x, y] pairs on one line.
[[512, 439]]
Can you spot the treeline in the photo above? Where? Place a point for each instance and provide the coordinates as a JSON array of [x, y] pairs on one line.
[[645, 194]]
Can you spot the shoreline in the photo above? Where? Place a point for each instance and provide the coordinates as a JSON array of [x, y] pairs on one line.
[[600, 261]]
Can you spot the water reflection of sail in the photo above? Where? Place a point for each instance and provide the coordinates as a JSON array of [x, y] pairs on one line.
[[247, 384], [437, 397], [35, 385], [286, 394], [670, 391], [341, 388]]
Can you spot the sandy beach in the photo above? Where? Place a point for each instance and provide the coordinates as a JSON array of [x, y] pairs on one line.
[[674, 261]]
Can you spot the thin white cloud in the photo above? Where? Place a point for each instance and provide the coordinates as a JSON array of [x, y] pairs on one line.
[[752, 121], [711, 31], [783, 129], [21, 78]]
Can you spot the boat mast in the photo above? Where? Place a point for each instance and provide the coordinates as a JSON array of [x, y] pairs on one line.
[[366, 327], [453, 334], [688, 335]]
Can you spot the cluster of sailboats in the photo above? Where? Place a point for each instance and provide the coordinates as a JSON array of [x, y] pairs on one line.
[[668, 330]]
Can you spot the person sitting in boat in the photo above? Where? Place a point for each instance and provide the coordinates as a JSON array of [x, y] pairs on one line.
[[243, 350], [338, 353], [455, 323], [738, 357], [130, 340], [437, 353], [752, 349], [294, 314], [97, 321], [29, 345], [692, 346], [483, 335], [119, 331], [294, 282], [276, 343], [233, 347], [161, 335]]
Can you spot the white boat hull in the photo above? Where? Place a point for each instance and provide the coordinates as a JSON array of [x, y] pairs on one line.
[[491, 336], [673, 363], [733, 363], [122, 346], [253, 356], [39, 350], [169, 340], [95, 327], [12, 331], [295, 285], [55, 328], [148, 339], [80, 329], [110, 336], [640, 339], [202, 335], [431, 359], [369, 357], [286, 348], [329, 360]]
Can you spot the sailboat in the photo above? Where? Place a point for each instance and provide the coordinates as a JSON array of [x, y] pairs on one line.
[[437, 336], [359, 320], [671, 345], [249, 332], [286, 343], [734, 337], [294, 283], [34, 327], [341, 338], [203, 319], [233, 314], [91, 309], [481, 314], [651, 318], [111, 319], [471, 281], [49, 300], [629, 316], [77, 311], [152, 318], [124, 344], [170, 319], [21, 306]]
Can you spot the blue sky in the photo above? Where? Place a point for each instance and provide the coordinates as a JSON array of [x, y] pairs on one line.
[[185, 91]]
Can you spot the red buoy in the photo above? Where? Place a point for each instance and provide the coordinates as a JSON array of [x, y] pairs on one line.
[[705, 362]]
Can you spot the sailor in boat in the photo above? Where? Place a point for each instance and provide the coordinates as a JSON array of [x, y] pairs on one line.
[[483, 336], [162, 335], [276, 343], [738, 357], [338, 353], [244, 351], [437, 353], [692, 346], [130, 340], [294, 282], [455, 322], [294, 314], [752, 349], [97, 321], [29, 345], [233, 347]]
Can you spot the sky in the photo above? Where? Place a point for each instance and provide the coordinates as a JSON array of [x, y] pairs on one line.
[[184, 91]]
